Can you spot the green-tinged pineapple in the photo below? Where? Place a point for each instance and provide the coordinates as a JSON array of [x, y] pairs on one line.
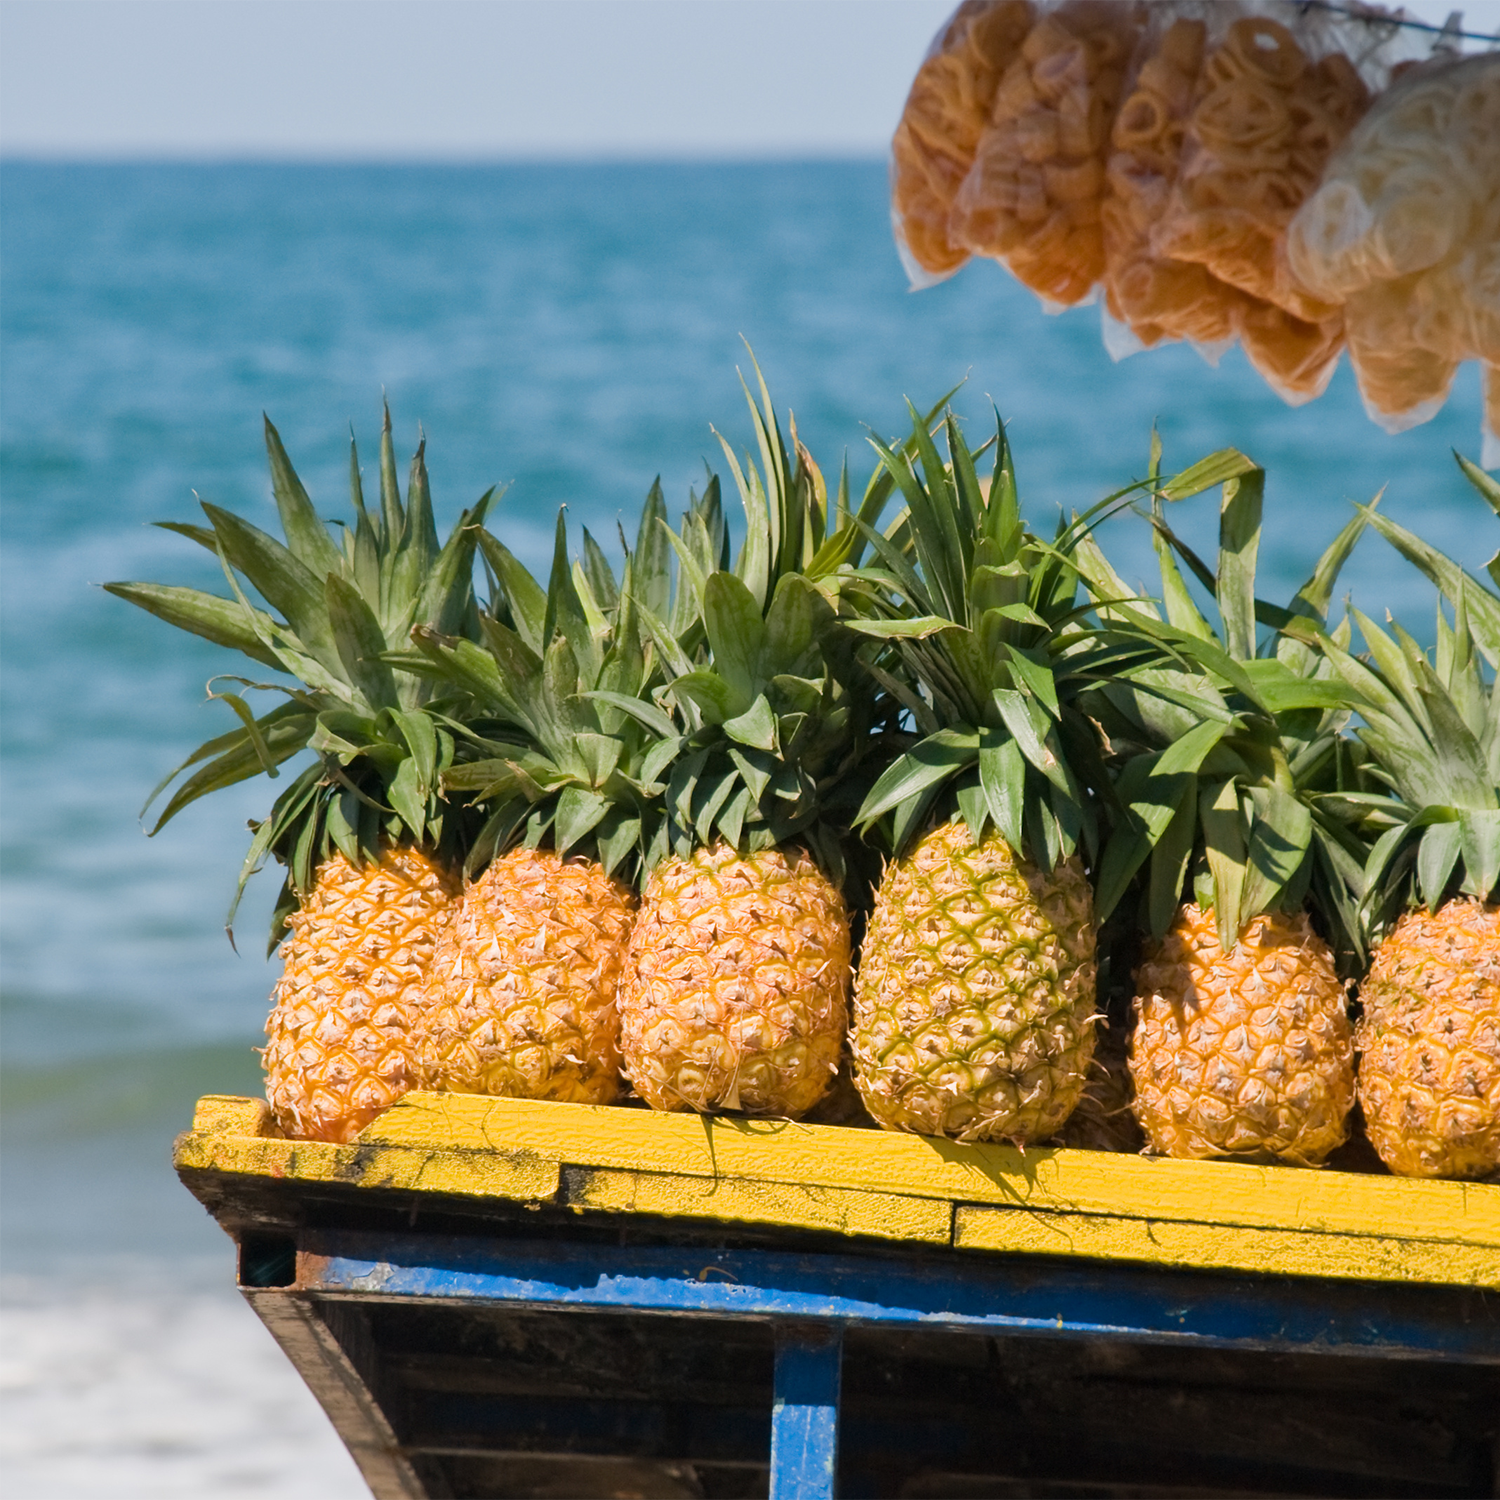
[[736, 985], [975, 999], [368, 840], [975, 1002], [523, 994], [1230, 777], [1429, 1037]]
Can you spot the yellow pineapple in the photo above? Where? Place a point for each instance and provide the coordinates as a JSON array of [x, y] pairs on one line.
[[1246, 1052], [521, 992], [366, 835], [1429, 1040], [1230, 766], [353, 976], [1429, 1037], [738, 980], [522, 999], [736, 985]]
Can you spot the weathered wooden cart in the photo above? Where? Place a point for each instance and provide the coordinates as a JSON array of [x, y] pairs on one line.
[[502, 1298]]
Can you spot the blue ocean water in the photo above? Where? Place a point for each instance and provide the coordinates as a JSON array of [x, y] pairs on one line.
[[570, 331]]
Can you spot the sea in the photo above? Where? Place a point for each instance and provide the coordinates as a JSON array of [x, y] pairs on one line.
[[569, 332]]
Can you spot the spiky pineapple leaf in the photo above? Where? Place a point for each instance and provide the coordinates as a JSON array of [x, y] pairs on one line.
[[222, 621]]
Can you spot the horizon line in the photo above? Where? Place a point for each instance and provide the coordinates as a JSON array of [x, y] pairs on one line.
[[548, 158]]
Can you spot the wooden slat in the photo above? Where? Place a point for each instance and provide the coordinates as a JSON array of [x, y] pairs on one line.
[[472, 1174], [896, 1187], [796, 1206], [1061, 1181], [1225, 1247]]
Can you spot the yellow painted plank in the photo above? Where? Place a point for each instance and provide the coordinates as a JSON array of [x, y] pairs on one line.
[[470, 1174], [233, 1116], [1090, 1182], [1283, 1252], [793, 1205]]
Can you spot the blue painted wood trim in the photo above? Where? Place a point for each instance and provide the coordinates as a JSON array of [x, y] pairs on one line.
[[1013, 1295], [805, 1411]]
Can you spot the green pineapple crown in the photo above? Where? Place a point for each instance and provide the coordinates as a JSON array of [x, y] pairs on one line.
[[339, 610], [1431, 727], [764, 714], [564, 746], [1432, 731], [977, 632], [1231, 775], [1454, 582]]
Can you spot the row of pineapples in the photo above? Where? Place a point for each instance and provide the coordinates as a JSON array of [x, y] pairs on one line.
[[614, 828]]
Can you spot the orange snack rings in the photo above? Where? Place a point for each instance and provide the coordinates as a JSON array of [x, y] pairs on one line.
[[1159, 298], [1265, 118], [1296, 358], [945, 114], [1033, 196]]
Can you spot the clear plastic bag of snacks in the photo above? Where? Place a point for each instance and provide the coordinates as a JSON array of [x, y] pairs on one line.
[[1275, 96], [1032, 197], [1279, 89], [1152, 296], [946, 112], [1405, 231]]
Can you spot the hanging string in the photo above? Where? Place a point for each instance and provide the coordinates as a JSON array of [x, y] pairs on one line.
[[1373, 17]]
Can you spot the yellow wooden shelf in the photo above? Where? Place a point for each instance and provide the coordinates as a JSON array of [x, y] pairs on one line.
[[983, 1198]]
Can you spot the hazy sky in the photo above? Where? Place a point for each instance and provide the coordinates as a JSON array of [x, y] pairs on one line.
[[465, 78], [456, 77]]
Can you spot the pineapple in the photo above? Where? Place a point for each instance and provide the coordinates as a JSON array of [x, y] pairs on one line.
[[1231, 771], [522, 998], [975, 998], [521, 992], [735, 994], [1246, 1052], [975, 1001], [354, 974], [1429, 1037], [366, 834]]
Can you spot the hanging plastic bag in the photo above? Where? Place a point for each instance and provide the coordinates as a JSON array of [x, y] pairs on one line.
[[1405, 229], [946, 112], [1280, 89], [1154, 297], [1032, 197], [1268, 112]]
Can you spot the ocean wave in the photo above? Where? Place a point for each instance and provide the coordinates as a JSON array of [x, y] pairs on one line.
[[144, 1385]]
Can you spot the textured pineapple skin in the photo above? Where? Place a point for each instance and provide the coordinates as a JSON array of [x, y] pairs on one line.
[[1429, 1067], [1248, 1053], [736, 990], [354, 974], [974, 1006], [524, 982]]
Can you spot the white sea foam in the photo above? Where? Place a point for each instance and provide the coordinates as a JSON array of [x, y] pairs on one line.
[[155, 1388]]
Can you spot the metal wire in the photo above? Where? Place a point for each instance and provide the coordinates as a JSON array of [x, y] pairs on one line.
[[1378, 18]]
